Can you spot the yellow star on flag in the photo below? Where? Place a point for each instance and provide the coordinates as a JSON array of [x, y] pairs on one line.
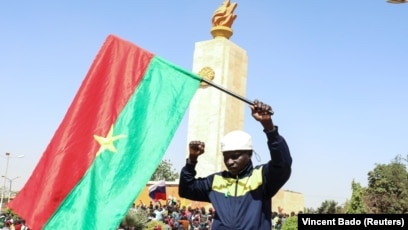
[[108, 141]]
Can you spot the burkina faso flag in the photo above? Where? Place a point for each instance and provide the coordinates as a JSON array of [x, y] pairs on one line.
[[110, 141]]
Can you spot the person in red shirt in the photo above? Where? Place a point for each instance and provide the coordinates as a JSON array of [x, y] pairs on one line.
[[17, 225]]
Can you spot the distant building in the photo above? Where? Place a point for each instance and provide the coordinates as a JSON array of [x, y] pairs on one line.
[[288, 201]]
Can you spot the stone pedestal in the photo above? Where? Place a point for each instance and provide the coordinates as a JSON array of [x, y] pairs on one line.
[[214, 113]]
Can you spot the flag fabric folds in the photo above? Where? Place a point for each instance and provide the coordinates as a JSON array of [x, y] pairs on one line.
[[158, 191], [110, 141]]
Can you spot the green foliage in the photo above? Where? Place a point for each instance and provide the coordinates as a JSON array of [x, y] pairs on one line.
[[165, 171], [309, 210], [136, 218], [291, 223], [356, 204], [328, 207], [152, 225], [340, 209], [387, 190]]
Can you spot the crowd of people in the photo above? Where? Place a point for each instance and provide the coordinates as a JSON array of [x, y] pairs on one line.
[[175, 217], [8, 222], [171, 215]]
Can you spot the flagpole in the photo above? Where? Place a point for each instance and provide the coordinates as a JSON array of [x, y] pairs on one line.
[[239, 97]]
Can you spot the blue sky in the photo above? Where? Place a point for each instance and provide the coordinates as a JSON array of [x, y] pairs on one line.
[[335, 73]]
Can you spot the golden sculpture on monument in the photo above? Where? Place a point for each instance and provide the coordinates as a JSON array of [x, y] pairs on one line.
[[222, 20], [206, 73]]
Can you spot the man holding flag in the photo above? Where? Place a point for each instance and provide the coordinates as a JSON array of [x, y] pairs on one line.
[[242, 195]]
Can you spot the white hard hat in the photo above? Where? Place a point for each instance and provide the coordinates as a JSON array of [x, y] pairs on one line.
[[236, 140]]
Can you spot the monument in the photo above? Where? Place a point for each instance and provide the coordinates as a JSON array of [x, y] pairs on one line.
[[214, 113]]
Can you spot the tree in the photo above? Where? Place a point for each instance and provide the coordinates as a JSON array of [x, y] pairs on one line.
[[310, 210], [356, 204], [387, 190], [291, 223], [328, 207], [165, 171], [136, 219]]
